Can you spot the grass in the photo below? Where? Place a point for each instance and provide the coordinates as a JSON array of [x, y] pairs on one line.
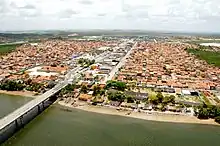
[[203, 41], [4, 49], [206, 100], [209, 56]]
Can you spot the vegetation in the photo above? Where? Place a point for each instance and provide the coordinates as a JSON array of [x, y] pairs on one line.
[[169, 99], [160, 99], [203, 41], [85, 62], [208, 111], [121, 86], [116, 96], [19, 85], [84, 89], [37, 87], [210, 57], [217, 119], [130, 99], [68, 89], [205, 99], [11, 85], [4, 49], [96, 90]]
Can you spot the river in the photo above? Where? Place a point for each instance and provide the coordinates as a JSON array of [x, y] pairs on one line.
[[57, 127]]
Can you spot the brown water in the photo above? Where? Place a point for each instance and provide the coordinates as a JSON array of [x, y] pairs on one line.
[[57, 127]]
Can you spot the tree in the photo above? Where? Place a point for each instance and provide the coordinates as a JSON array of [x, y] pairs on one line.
[[203, 113], [102, 92], [159, 97], [11, 85], [51, 84], [81, 60], [28, 82], [212, 110], [84, 89], [130, 99], [138, 102], [162, 107], [96, 78], [169, 99], [217, 119], [117, 85], [118, 96], [93, 61], [153, 99], [96, 90]]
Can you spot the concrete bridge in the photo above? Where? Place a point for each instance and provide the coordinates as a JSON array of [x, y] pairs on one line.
[[20, 117]]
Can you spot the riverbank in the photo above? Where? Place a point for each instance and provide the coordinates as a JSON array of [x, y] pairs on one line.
[[19, 93], [152, 116]]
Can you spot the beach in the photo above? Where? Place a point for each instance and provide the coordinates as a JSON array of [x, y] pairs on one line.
[[19, 93], [152, 116]]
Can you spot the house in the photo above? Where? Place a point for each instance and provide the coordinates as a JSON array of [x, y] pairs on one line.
[[105, 69], [137, 95], [148, 107], [85, 97], [114, 103], [164, 89]]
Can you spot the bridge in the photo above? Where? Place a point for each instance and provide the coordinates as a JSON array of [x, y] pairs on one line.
[[18, 118]]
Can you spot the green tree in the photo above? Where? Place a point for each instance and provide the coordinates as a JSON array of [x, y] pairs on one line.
[[84, 89], [93, 61], [217, 119], [102, 92], [117, 85], [159, 97], [153, 99], [96, 90], [169, 99], [203, 113], [118, 96], [130, 99]]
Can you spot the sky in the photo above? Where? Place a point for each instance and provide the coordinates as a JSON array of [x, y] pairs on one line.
[[159, 15]]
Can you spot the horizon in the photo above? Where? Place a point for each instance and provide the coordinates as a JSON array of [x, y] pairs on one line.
[[162, 15], [109, 30]]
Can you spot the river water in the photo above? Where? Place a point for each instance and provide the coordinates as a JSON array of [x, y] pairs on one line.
[[57, 127]]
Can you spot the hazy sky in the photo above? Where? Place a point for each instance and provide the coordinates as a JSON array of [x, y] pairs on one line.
[[175, 15]]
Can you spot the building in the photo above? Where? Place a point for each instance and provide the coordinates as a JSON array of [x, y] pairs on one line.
[[137, 95]]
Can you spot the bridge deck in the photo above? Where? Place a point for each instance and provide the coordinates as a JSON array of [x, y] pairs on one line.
[[27, 107], [33, 103]]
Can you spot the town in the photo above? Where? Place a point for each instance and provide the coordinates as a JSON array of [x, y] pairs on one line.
[[132, 75]]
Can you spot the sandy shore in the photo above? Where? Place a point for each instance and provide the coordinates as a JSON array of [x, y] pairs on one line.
[[165, 117], [19, 93]]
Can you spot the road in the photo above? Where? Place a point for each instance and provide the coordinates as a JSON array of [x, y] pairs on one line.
[[120, 64], [33, 103], [72, 74]]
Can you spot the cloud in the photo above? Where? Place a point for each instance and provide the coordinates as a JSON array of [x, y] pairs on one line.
[[177, 15], [68, 13], [28, 6], [86, 2], [101, 14]]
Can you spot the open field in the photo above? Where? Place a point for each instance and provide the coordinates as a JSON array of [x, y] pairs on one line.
[[209, 56], [204, 41], [4, 49]]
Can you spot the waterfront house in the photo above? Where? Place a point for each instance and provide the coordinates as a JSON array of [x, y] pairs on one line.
[[137, 95]]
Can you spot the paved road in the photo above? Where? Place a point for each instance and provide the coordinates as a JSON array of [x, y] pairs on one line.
[[74, 73], [120, 64], [33, 103]]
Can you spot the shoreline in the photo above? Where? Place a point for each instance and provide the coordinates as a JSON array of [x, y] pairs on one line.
[[19, 93], [150, 116]]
